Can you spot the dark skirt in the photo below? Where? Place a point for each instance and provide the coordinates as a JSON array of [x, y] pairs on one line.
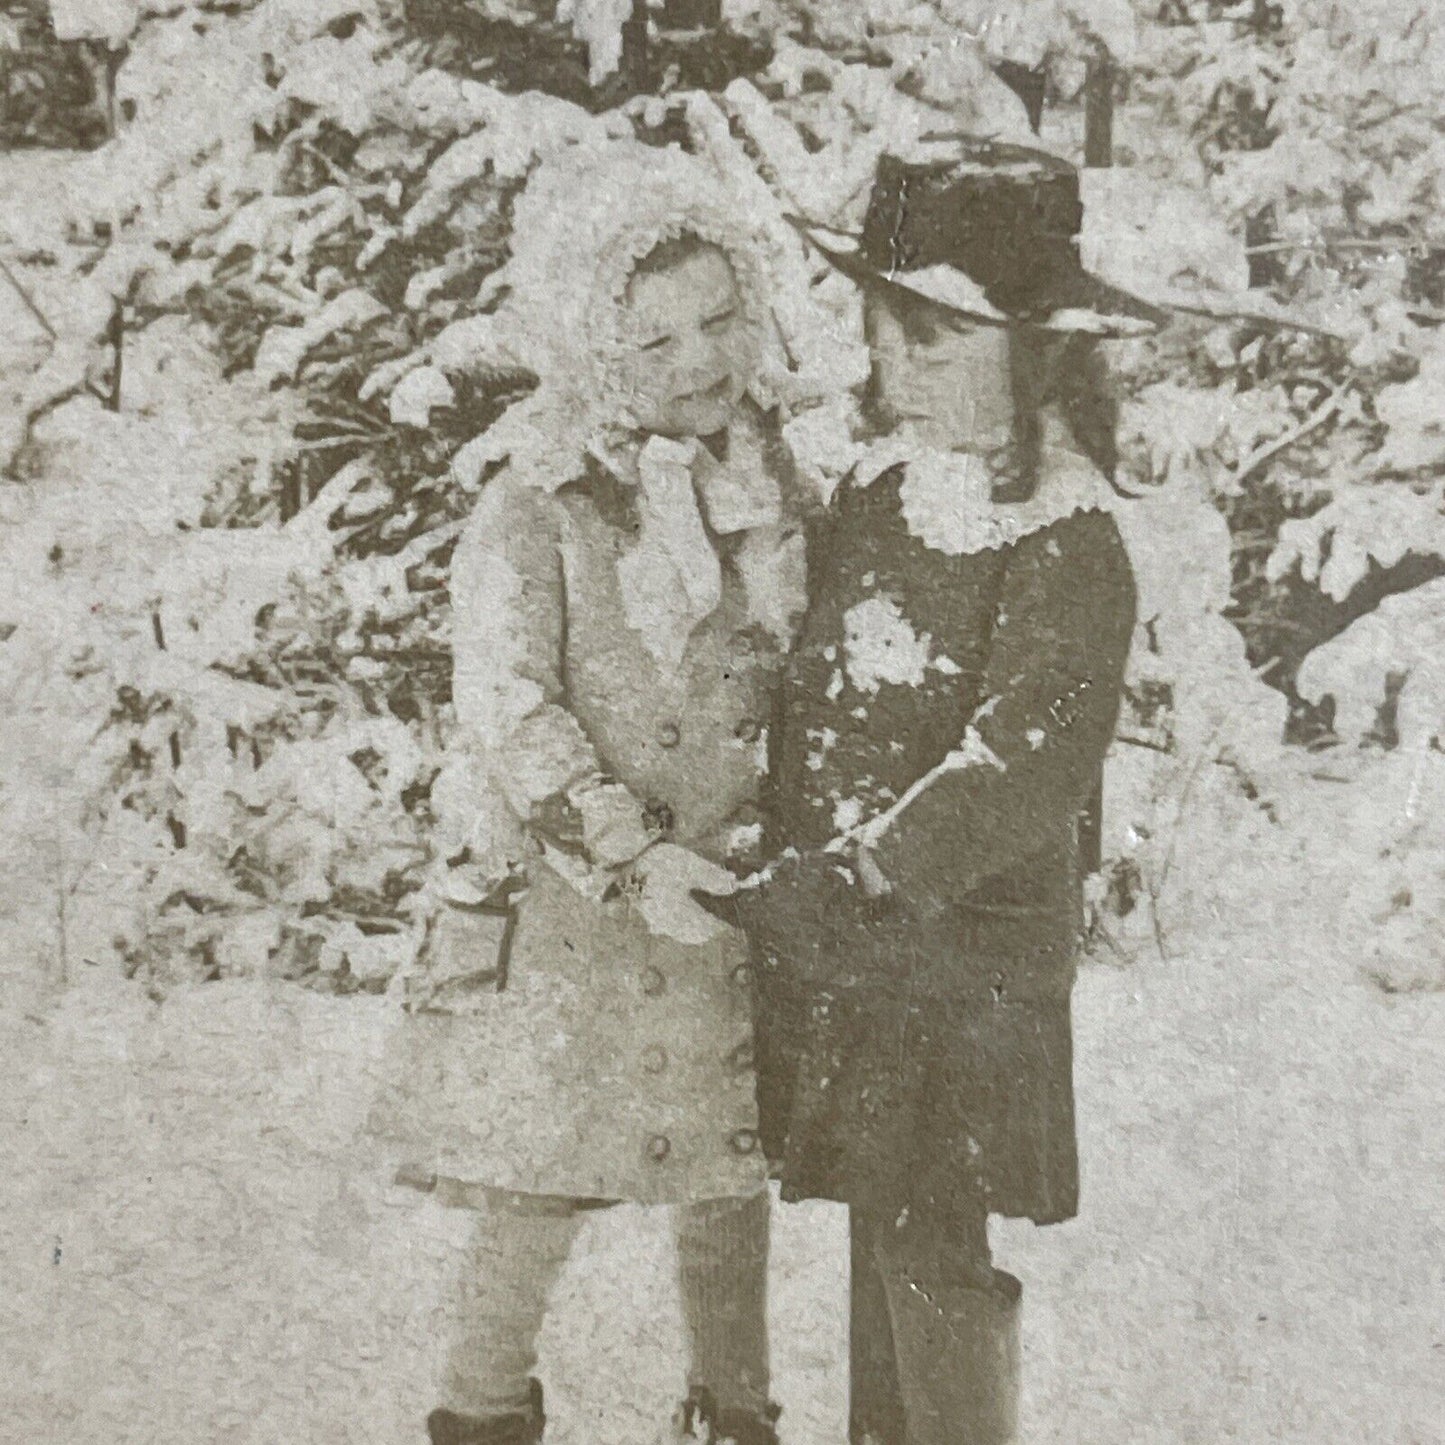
[[934, 1106]]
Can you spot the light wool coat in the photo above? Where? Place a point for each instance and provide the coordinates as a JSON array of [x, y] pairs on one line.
[[613, 1062]]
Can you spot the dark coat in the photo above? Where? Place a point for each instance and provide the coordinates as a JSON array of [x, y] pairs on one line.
[[914, 1048]]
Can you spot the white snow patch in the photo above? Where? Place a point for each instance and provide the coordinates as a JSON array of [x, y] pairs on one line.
[[847, 814], [881, 646], [417, 394], [284, 348], [112, 21]]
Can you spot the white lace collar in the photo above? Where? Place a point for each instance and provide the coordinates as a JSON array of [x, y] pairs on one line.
[[947, 496]]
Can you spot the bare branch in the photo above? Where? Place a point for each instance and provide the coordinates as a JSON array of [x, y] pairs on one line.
[[1316, 419], [29, 301]]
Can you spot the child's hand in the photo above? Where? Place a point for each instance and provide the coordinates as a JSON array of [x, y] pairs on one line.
[[667, 876], [804, 913]]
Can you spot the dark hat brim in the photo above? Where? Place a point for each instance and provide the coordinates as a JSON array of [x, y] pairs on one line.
[[1102, 310]]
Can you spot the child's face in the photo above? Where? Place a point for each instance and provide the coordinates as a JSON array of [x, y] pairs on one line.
[[950, 384], [691, 351]]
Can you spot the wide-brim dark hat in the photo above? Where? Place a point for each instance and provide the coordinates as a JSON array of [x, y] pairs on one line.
[[989, 235]]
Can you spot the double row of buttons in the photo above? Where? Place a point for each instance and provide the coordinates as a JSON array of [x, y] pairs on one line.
[[740, 1141], [655, 1061], [654, 980], [738, 1059], [748, 730]]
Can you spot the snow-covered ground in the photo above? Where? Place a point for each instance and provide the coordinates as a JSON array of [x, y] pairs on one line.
[[196, 1250]]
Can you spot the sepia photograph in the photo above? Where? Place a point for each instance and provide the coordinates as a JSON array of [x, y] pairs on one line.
[[722, 722]]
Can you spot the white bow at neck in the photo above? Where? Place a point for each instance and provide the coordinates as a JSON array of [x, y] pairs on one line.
[[671, 578]]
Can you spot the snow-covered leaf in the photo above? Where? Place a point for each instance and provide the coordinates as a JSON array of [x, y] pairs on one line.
[[1414, 412], [598, 24], [109, 20], [1382, 523], [367, 957], [413, 398], [284, 348], [1403, 638], [514, 131]]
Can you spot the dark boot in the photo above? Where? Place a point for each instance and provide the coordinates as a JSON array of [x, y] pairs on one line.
[[516, 1427], [875, 1405], [958, 1359], [703, 1420]]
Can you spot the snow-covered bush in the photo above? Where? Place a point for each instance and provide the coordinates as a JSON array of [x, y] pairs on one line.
[[237, 475], [230, 587], [236, 469]]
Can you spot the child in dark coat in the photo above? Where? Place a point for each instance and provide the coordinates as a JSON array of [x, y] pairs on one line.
[[942, 728]]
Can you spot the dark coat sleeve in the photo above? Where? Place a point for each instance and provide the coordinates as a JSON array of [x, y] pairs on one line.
[[1049, 703]]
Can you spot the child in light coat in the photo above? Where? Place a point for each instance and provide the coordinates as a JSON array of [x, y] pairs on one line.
[[623, 598]]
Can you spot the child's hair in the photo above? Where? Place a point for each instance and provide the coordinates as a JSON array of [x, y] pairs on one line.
[[1062, 371]]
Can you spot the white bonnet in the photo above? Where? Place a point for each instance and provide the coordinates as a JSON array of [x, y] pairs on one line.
[[587, 216]]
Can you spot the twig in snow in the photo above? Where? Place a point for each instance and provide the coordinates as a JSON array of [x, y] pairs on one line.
[[28, 300], [1155, 886], [341, 177], [1138, 740], [117, 340], [1316, 419], [1105, 936]]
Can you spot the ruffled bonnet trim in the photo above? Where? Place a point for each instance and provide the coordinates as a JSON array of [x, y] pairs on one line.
[[584, 221]]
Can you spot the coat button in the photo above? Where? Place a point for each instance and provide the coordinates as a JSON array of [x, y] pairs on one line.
[[669, 735], [654, 981], [659, 1146], [747, 815], [749, 730], [654, 1058], [740, 1058], [742, 975], [658, 818], [743, 1141]]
